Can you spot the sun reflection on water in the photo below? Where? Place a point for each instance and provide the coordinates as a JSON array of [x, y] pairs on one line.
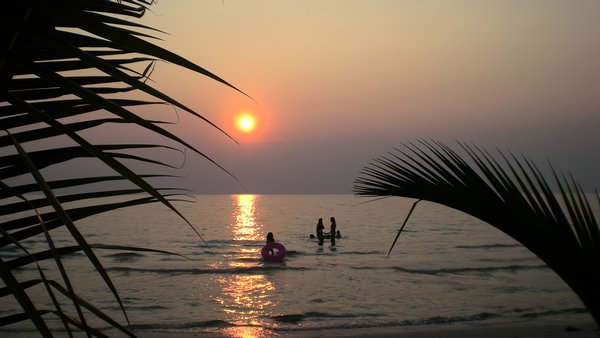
[[245, 227], [246, 297]]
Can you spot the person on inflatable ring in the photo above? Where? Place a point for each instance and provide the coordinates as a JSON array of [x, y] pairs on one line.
[[270, 239], [273, 251]]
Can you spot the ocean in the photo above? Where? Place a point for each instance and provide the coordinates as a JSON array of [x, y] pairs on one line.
[[447, 268]]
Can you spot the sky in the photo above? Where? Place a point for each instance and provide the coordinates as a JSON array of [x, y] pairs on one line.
[[335, 84]]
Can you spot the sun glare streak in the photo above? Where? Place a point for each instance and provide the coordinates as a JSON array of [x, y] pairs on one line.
[[246, 298], [245, 227]]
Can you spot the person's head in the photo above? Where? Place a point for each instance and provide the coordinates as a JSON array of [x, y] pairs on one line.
[[332, 219], [320, 220], [270, 237]]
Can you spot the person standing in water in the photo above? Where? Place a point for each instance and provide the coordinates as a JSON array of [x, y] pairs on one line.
[[332, 230], [320, 228]]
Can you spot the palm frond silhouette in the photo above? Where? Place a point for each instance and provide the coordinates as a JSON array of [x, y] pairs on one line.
[[510, 194], [68, 70]]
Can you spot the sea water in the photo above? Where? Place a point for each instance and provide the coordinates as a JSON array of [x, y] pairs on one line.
[[447, 268]]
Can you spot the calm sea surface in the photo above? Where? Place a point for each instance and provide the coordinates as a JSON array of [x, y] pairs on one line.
[[446, 269]]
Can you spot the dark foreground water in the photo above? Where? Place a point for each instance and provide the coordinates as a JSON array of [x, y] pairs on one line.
[[447, 268]]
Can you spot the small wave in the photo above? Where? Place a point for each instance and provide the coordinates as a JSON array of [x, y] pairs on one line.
[[236, 270], [142, 308], [454, 319], [232, 242], [480, 270], [355, 253], [510, 289], [295, 253], [507, 259], [249, 259], [489, 246], [315, 314], [459, 270], [533, 315], [374, 323], [184, 326], [333, 251], [125, 256], [295, 318]]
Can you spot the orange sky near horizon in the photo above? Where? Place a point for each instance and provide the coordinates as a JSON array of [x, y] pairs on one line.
[[341, 82]]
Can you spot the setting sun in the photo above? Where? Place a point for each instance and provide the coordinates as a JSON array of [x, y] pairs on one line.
[[246, 123]]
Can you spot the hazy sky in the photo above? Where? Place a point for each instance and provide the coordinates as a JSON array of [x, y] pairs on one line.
[[342, 82]]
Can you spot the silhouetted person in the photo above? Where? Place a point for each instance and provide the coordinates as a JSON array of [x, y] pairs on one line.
[[270, 239], [338, 234], [320, 228], [332, 230]]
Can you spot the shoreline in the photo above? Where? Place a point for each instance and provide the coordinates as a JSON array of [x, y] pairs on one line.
[[512, 330]]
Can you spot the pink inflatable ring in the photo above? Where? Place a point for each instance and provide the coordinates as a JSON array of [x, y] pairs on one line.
[[273, 252]]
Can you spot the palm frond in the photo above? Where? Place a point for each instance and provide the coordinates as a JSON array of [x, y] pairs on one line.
[[511, 195], [67, 68]]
